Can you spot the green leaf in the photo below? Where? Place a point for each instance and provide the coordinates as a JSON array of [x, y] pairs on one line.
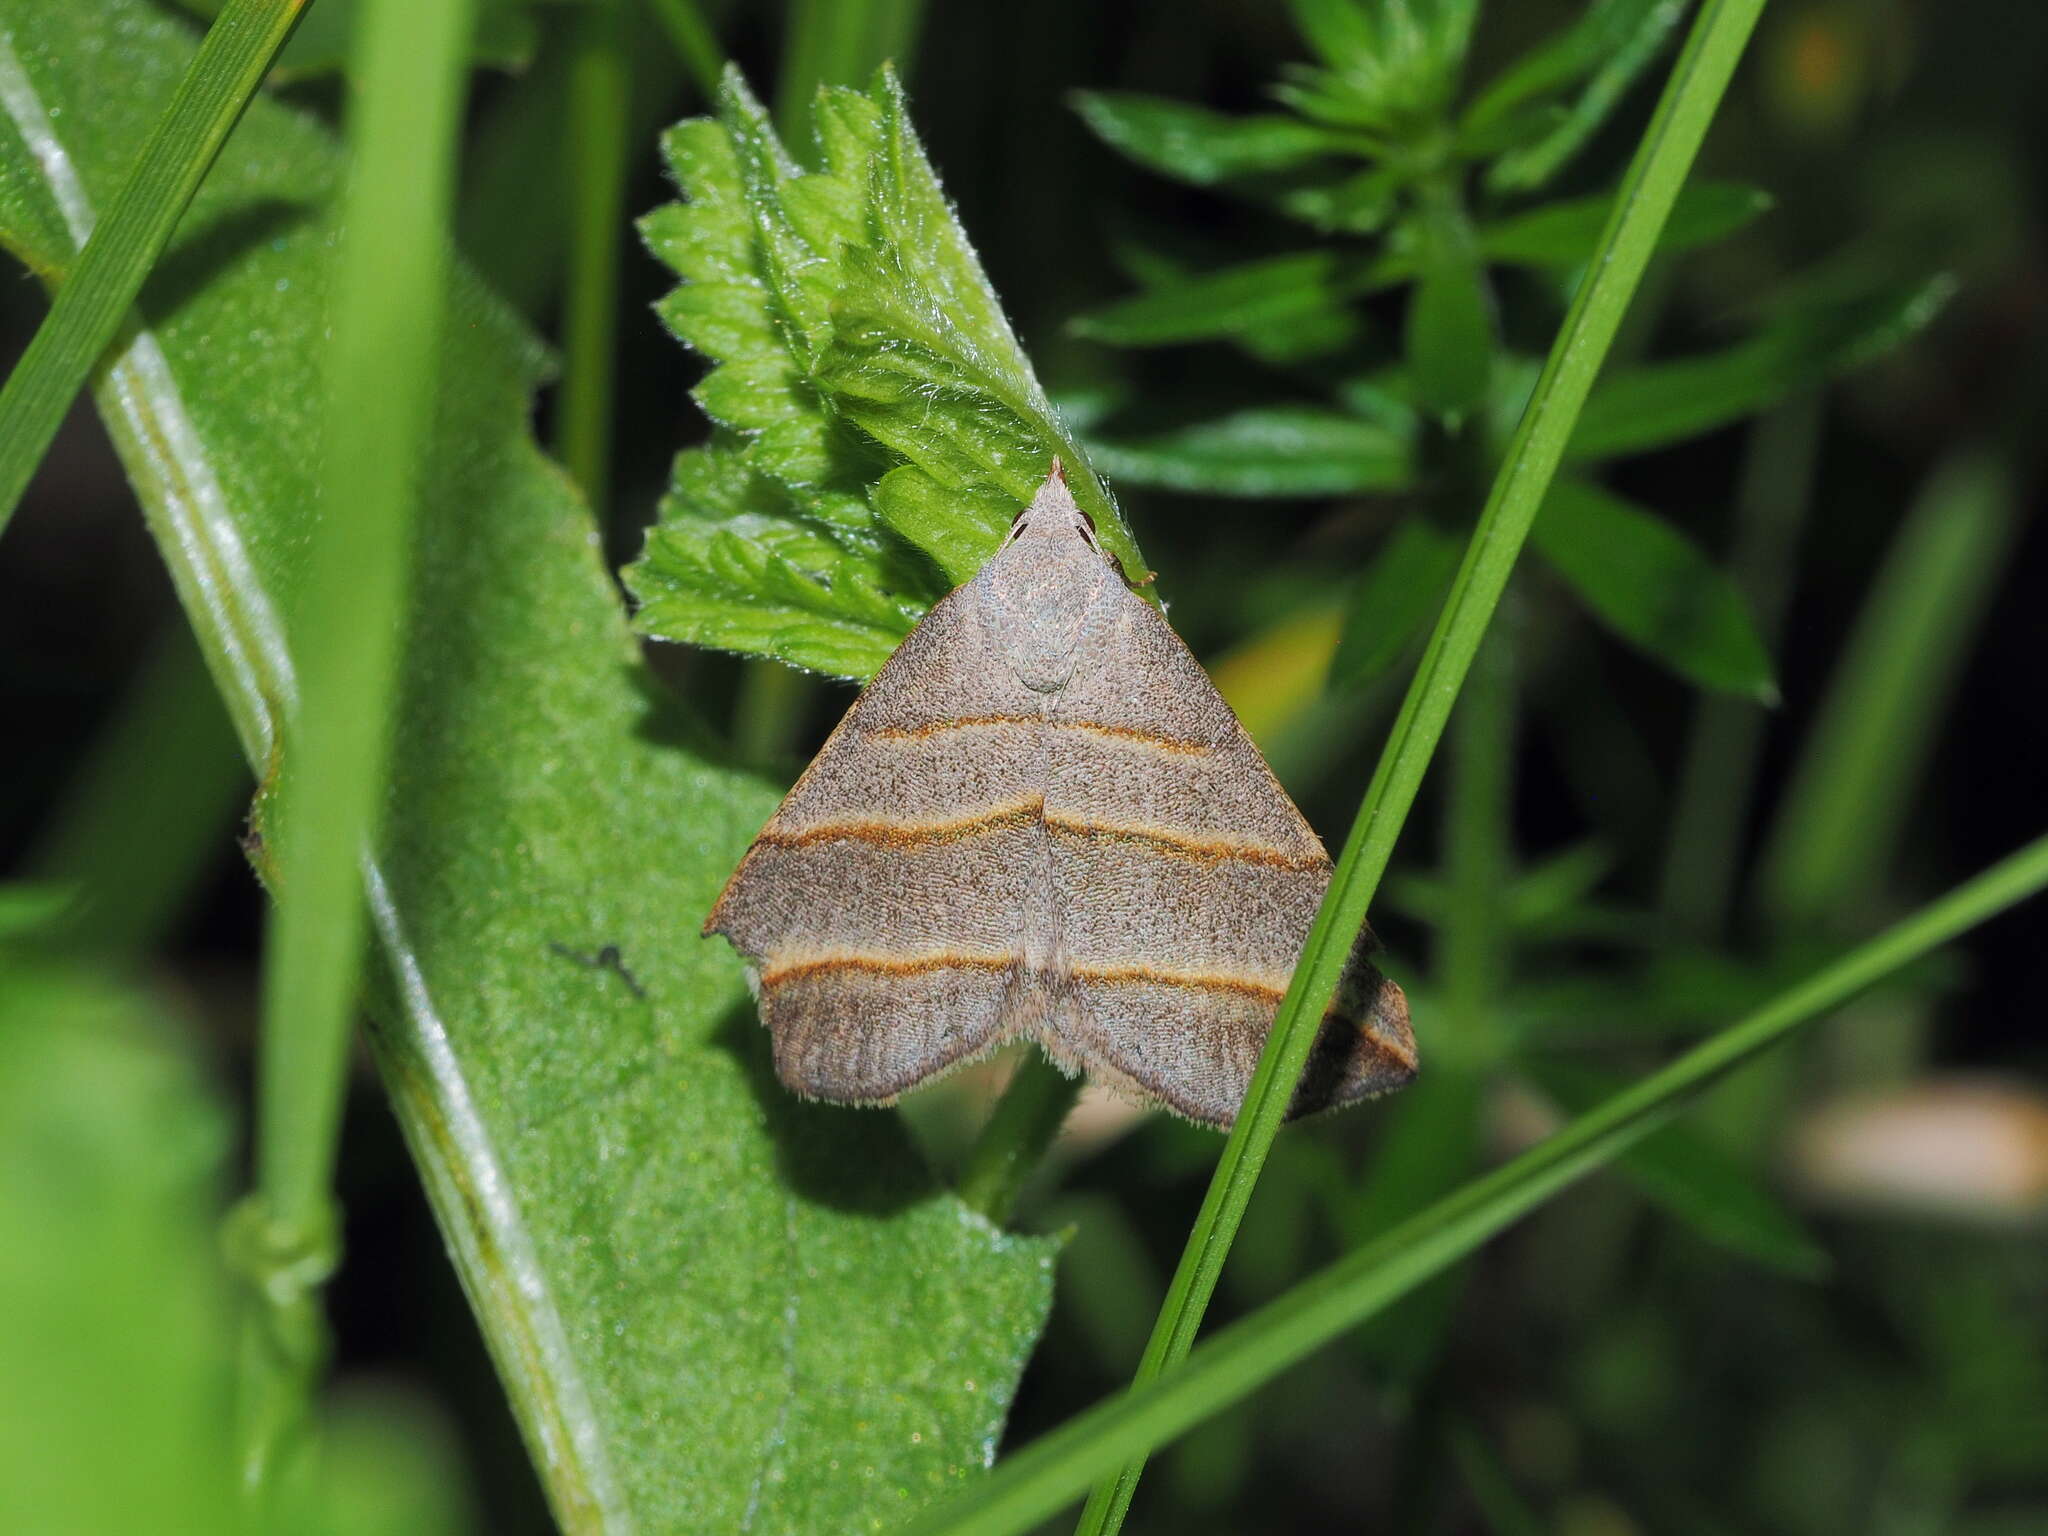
[[703, 1296], [1607, 48], [1038, 1480], [1402, 587], [1196, 145], [1657, 403], [1654, 587], [1243, 300], [1563, 234], [872, 398], [1695, 1180], [1286, 450], [730, 568], [1450, 336], [115, 1315], [1391, 68], [1359, 204]]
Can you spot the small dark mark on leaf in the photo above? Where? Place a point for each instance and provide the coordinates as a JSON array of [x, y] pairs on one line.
[[606, 959]]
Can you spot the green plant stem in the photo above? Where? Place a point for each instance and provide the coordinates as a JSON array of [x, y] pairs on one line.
[[695, 42], [1022, 1125], [386, 307], [1644, 201], [1034, 1483], [599, 104], [94, 299], [1719, 776]]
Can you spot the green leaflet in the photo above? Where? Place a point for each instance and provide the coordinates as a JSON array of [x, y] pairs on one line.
[[1652, 585], [707, 1301], [1281, 450], [1194, 144], [1652, 404], [877, 419]]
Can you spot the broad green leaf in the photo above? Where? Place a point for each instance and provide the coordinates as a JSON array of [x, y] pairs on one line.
[[1285, 450], [1666, 402], [1694, 1179], [1402, 587], [1653, 587], [707, 1300], [1563, 234], [856, 345], [1450, 335], [1612, 46], [115, 1315], [1196, 145], [1247, 300]]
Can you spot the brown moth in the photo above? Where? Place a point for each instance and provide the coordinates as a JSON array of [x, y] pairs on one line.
[[1041, 821]]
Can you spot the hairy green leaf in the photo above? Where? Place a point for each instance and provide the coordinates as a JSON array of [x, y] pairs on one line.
[[707, 1301], [1654, 587], [870, 397], [1563, 234], [1284, 450], [1399, 591], [1194, 144], [1666, 402]]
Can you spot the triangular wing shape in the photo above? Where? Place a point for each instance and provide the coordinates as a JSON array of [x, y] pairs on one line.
[[1185, 881], [885, 910]]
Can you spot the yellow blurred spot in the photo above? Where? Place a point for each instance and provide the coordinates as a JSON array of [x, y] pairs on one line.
[[1278, 673]]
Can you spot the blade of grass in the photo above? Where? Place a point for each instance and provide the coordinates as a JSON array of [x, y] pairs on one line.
[[88, 310], [386, 309], [1037, 1481], [1641, 206], [600, 102], [1840, 821]]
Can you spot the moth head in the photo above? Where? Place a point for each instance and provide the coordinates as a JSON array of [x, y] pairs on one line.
[[1053, 514]]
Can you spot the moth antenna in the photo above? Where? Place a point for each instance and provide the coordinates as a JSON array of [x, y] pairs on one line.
[[1059, 470]]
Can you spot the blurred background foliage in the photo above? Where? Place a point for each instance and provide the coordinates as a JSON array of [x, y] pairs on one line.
[[1772, 675]]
